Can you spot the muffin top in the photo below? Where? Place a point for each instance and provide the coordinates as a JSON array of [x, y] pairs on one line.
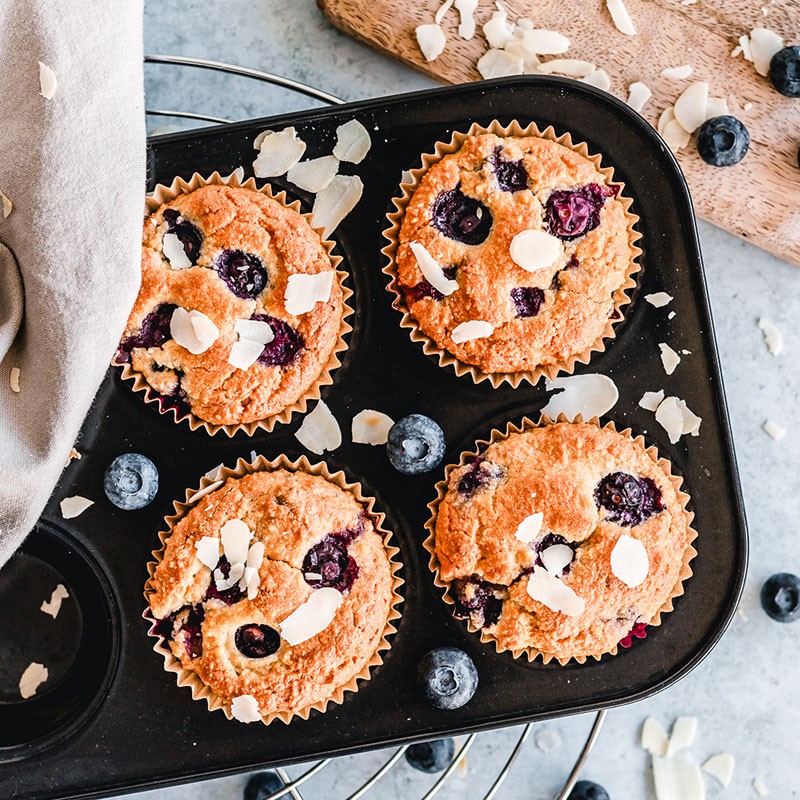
[[561, 539], [524, 236], [213, 259], [309, 550]]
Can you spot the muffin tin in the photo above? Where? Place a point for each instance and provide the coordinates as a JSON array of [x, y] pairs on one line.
[[111, 719]]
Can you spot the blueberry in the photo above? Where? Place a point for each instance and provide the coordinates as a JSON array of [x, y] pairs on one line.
[[638, 631], [257, 641], [416, 444], [588, 790], [193, 632], [511, 175], [243, 273], [722, 141], [549, 540], [330, 560], [262, 785], [528, 300], [462, 218], [154, 331], [780, 597], [628, 500], [131, 481], [188, 234], [449, 677], [784, 71], [478, 474], [424, 289], [284, 347], [432, 756], [228, 596], [570, 213], [478, 600]]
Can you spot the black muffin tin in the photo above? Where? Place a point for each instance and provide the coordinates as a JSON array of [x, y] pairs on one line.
[[111, 719]]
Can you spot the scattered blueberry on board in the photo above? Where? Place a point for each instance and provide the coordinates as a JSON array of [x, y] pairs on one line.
[[431, 757], [448, 677], [722, 141], [262, 785], [784, 71], [780, 597], [131, 481], [588, 790], [415, 444]]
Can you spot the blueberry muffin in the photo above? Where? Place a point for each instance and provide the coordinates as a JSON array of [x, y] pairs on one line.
[[214, 331], [276, 589], [513, 254], [564, 540]]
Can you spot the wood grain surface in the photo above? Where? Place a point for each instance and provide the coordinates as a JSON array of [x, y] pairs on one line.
[[758, 199]]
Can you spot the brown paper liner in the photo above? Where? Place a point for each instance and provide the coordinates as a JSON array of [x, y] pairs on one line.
[[526, 425], [199, 689], [164, 194], [408, 186]]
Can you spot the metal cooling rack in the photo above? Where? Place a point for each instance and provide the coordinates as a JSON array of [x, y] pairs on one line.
[[292, 785]]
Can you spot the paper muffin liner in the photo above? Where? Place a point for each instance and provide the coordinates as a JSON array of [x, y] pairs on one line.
[[164, 194], [409, 185], [525, 425], [200, 690]]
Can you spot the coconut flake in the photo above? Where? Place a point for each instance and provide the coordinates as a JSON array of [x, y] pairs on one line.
[[8, 206], [716, 107], [530, 527], [638, 95], [13, 379], [371, 427], [572, 67], [691, 422], [234, 576], [629, 561], [47, 81], [466, 25], [245, 708], [773, 429], [244, 353], [669, 358], [34, 676], [304, 291], [431, 40], [214, 472], [759, 788], [352, 142], [498, 31], [545, 43], [675, 136], [598, 78], [658, 299], [255, 555], [554, 594], [678, 778], [278, 152], [654, 737], [499, 64], [677, 73], [311, 617], [200, 493], [556, 558], [53, 605], [432, 271], [772, 336], [721, 767], [471, 330], [208, 551], [651, 400], [670, 418], [74, 506], [320, 431], [441, 11], [530, 61], [254, 330], [690, 107], [335, 202], [684, 729], [172, 248], [764, 43], [589, 395], [312, 576], [193, 330], [235, 536], [622, 19], [314, 175], [667, 116], [535, 249]]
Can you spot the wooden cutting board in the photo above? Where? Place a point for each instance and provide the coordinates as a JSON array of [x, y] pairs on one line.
[[758, 199]]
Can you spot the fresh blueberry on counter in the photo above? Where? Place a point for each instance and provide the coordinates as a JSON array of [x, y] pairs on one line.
[[780, 597], [131, 481], [432, 756], [588, 790], [262, 785], [416, 444], [722, 141], [784, 71], [449, 677]]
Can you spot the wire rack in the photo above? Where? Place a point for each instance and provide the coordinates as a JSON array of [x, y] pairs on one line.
[[293, 785]]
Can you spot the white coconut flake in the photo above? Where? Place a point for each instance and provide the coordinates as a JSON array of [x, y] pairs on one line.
[[721, 767], [651, 400], [320, 431], [371, 427], [571, 67], [254, 330], [671, 315], [530, 527], [8, 206], [530, 61], [304, 291], [670, 418], [53, 605], [200, 493], [172, 248], [499, 64], [669, 358], [311, 617], [193, 330], [658, 299], [545, 43], [764, 43], [638, 95], [691, 422], [675, 136], [235, 536], [466, 25], [441, 11], [598, 78], [312, 576], [654, 737], [716, 107], [208, 551], [244, 353], [34, 676], [535, 249], [554, 594], [74, 506], [352, 142], [759, 788], [335, 202], [498, 31], [677, 73], [684, 729], [555, 558], [245, 708], [622, 19], [278, 152], [471, 330], [667, 116], [314, 175], [772, 336], [629, 561], [431, 40], [690, 107], [234, 576], [47, 82], [678, 778], [432, 271], [773, 429], [589, 395], [13, 379]]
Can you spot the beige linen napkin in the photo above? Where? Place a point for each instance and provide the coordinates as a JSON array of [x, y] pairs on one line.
[[74, 168]]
